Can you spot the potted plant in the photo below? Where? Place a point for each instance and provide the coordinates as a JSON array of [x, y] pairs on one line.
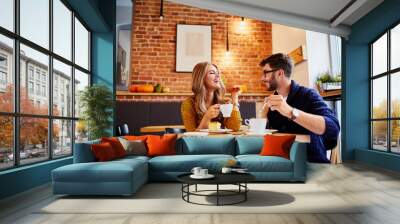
[[97, 102], [327, 81]]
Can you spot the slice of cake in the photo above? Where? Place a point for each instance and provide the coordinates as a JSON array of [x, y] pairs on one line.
[[214, 126]]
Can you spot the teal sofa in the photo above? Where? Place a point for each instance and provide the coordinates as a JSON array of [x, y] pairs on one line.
[[125, 176]]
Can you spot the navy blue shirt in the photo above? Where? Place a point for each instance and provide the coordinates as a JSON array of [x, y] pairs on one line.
[[308, 100]]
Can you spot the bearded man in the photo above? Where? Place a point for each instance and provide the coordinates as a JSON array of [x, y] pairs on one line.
[[297, 109]]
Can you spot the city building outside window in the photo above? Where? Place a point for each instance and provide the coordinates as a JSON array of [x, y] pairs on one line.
[[3, 72], [30, 72], [38, 75], [3, 78], [30, 87], [3, 60], [43, 90], [44, 77], [58, 126], [38, 89]]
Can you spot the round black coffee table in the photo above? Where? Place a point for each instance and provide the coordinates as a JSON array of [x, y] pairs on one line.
[[238, 179]]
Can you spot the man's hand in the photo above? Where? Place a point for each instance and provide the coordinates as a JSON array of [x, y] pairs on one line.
[[276, 102]]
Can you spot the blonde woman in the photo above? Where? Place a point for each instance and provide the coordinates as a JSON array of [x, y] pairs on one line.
[[203, 107]]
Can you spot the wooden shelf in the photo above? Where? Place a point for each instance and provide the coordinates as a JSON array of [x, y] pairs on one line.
[[331, 94], [125, 93]]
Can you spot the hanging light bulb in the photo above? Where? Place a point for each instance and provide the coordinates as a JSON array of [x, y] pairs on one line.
[[227, 39], [242, 25], [242, 22], [162, 10]]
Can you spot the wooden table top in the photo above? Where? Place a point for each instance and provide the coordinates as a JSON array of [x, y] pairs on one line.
[[299, 138], [161, 128]]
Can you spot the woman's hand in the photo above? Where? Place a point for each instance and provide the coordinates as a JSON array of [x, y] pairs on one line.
[[235, 92], [212, 112]]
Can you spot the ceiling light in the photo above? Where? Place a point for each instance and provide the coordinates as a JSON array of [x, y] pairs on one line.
[[242, 23]]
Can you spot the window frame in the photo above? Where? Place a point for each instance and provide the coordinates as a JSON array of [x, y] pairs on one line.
[[16, 114], [388, 74]]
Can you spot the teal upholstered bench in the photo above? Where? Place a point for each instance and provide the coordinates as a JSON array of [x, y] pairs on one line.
[[125, 176], [271, 168], [88, 177]]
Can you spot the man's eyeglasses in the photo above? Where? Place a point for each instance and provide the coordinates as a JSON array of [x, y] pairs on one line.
[[265, 72]]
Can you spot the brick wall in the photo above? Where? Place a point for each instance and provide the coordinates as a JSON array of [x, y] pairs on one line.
[[153, 45]]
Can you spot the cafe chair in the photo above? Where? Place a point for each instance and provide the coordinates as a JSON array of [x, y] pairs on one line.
[[174, 130], [122, 130]]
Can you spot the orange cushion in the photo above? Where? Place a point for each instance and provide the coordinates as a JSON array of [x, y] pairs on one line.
[[277, 145], [135, 137], [103, 152], [116, 145], [161, 145]]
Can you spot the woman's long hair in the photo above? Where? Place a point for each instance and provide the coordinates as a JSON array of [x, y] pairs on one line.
[[198, 75]]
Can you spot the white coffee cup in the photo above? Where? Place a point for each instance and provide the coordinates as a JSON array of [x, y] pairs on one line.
[[256, 125], [196, 170], [226, 170], [226, 109], [203, 172]]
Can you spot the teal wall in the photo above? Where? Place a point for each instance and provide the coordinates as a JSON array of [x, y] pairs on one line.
[[102, 59], [380, 159], [24, 178], [356, 101], [103, 66], [99, 15], [103, 52]]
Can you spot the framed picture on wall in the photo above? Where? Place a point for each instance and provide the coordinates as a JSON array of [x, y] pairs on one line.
[[123, 57], [193, 45]]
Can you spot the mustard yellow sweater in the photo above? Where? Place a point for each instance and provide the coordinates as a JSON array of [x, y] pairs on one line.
[[191, 120]]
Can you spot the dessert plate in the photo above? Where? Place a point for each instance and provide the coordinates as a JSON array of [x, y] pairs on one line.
[[266, 131], [195, 133], [216, 131], [208, 176]]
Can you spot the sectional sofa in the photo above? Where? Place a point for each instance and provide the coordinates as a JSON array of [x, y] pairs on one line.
[[125, 176]]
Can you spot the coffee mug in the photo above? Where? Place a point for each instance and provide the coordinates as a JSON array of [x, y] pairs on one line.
[[196, 171], [226, 109], [256, 125], [203, 172], [226, 170]]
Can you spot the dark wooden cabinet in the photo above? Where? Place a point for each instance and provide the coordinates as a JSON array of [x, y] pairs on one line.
[[140, 114]]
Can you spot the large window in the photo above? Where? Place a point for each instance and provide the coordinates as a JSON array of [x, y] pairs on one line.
[[7, 14], [34, 22], [44, 64], [385, 94]]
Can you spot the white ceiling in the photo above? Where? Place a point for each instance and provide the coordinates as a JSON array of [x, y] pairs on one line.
[[315, 15], [320, 9]]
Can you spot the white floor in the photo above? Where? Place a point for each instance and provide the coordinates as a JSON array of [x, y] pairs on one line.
[[378, 189]]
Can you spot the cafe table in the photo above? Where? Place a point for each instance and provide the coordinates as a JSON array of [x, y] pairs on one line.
[[334, 157], [158, 128], [161, 128], [299, 138]]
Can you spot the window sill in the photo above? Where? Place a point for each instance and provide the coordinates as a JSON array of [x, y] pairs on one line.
[[26, 167]]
